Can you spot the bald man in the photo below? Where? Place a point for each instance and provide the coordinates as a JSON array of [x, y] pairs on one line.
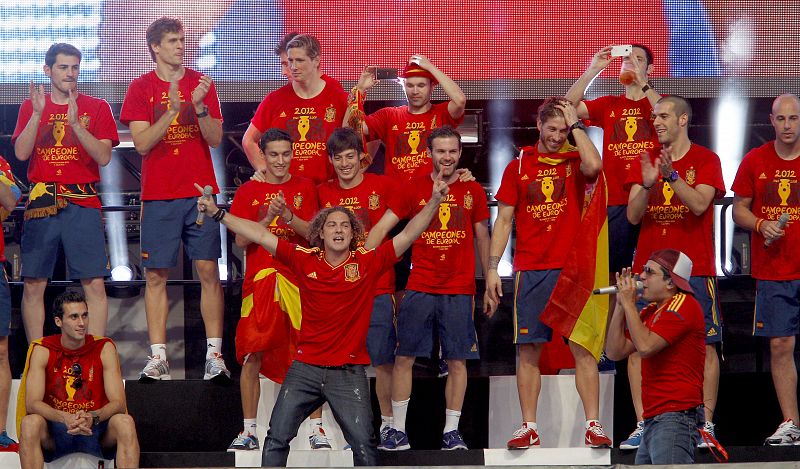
[[765, 188]]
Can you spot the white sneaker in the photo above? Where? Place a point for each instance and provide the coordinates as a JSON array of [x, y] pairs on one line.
[[317, 439], [787, 434], [709, 428], [156, 369], [216, 369]]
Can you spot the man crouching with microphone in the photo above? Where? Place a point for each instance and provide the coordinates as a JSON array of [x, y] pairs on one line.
[[669, 334]]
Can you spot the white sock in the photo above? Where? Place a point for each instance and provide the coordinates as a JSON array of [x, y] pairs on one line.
[[158, 350], [400, 409], [250, 427], [531, 425], [213, 345], [451, 418], [387, 421]]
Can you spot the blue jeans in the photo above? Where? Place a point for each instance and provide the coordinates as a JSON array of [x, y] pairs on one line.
[[671, 437], [305, 388]]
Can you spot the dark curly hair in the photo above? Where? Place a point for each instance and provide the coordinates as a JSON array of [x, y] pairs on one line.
[[69, 296], [315, 227]]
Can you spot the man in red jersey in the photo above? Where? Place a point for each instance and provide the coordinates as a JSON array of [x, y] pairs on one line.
[[669, 335], [308, 108], [405, 129], [367, 195], [337, 283], [765, 188], [544, 191], [673, 200], [174, 116], [66, 136], [441, 287], [266, 334], [627, 133], [73, 393]]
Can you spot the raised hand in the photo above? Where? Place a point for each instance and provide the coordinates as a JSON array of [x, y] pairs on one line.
[[570, 114], [626, 288], [650, 170], [174, 98], [601, 59], [422, 61], [37, 97], [200, 92], [440, 187], [72, 109], [367, 79]]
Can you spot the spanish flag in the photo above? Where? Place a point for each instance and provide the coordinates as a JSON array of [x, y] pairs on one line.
[[573, 311]]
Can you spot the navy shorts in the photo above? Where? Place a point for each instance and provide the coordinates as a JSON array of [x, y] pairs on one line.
[[705, 292], [5, 305], [165, 223], [70, 444], [79, 230], [382, 336], [777, 311], [454, 318], [622, 238], [532, 289]]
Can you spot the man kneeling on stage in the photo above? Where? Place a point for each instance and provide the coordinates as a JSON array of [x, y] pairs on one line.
[[669, 334], [73, 394]]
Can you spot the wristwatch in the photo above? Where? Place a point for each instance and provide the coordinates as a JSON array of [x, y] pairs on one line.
[[95, 418], [204, 113], [577, 125], [673, 176], [646, 88]]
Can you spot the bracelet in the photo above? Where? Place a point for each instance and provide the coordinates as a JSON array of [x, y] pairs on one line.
[[219, 215], [758, 224], [646, 88], [291, 219], [647, 188]]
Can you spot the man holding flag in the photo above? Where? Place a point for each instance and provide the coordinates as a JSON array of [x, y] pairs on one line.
[[544, 190]]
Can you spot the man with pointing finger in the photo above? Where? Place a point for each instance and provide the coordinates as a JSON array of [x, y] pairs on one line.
[[174, 116]]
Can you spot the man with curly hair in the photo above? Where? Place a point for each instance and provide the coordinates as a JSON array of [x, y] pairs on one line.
[[337, 284]]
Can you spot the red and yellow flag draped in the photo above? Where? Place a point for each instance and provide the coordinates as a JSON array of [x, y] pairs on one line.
[[573, 311]]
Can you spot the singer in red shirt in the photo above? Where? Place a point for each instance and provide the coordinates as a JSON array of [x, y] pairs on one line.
[[766, 187]]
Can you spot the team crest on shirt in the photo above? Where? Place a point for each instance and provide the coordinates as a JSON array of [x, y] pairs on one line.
[[330, 114], [85, 119], [690, 176], [374, 201], [468, 201], [298, 201], [351, 272]]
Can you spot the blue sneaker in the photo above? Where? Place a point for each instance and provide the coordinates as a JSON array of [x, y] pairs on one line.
[[453, 440], [7, 444], [395, 441], [635, 438], [243, 443], [606, 365]]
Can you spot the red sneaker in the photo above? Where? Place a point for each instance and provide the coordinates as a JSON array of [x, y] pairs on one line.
[[523, 438], [596, 436]]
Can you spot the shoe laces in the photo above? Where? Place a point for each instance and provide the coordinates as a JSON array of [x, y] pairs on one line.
[[637, 431], [216, 360], [597, 429], [522, 431], [154, 362], [709, 427]]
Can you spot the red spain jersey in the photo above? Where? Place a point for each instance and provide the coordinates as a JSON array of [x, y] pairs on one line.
[[337, 301], [182, 158], [547, 201], [368, 201], [627, 132], [251, 202], [772, 183], [443, 257], [309, 121], [405, 138], [669, 224]]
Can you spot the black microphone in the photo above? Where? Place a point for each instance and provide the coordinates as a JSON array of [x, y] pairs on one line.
[[201, 215], [613, 289], [782, 221]]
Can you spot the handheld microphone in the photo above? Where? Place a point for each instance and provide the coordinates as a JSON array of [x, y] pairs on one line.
[[782, 221], [201, 215], [613, 289]]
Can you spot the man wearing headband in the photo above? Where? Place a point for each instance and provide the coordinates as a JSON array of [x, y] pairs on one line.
[[672, 197], [669, 334], [404, 129]]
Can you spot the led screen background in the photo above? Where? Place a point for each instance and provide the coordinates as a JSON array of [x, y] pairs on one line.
[[498, 48]]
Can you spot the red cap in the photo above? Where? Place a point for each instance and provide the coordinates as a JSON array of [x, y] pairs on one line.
[[677, 264], [412, 70]]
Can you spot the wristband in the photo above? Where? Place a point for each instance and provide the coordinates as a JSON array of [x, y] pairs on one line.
[[219, 215], [647, 188], [646, 88], [758, 225], [204, 113], [291, 219]]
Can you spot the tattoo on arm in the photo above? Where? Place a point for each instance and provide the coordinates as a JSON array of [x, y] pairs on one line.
[[494, 261]]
